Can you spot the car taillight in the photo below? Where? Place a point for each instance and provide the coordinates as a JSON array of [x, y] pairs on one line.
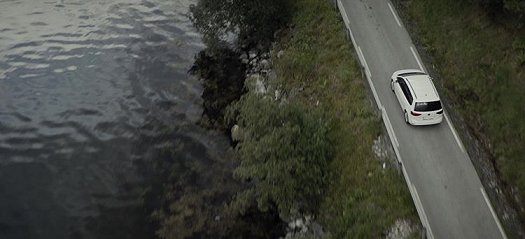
[[440, 112], [414, 113]]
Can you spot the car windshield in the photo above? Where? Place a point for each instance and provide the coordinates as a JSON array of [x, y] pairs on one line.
[[428, 106]]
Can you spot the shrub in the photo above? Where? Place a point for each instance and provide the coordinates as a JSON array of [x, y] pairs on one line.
[[285, 149]]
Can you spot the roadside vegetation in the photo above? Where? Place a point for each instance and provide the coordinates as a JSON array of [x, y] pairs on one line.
[[479, 50], [304, 146]]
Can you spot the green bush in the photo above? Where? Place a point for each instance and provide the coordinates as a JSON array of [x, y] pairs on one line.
[[519, 48], [516, 6], [285, 150]]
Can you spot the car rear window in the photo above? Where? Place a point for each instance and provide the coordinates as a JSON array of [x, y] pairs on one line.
[[428, 106], [412, 74]]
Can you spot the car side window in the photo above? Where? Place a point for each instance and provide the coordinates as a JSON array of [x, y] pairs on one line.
[[408, 95], [406, 91]]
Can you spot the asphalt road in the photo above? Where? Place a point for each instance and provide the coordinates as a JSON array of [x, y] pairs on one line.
[[446, 189]]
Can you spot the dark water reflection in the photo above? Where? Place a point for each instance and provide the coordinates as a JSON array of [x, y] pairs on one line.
[[87, 91]]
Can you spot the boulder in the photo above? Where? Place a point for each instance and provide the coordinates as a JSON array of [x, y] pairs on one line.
[[280, 54], [264, 64], [236, 133]]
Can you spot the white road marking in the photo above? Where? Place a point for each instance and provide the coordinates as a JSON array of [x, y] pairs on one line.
[[347, 23], [493, 213], [417, 59], [417, 202], [389, 127], [352, 37], [394, 13], [367, 70], [369, 77], [421, 211], [343, 13], [454, 133]]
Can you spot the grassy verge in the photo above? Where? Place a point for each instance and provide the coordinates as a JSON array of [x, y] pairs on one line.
[[318, 68], [482, 64]]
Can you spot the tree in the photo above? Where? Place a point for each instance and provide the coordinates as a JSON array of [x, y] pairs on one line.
[[230, 27], [516, 6], [251, 23], [285, 150], [495, 7]]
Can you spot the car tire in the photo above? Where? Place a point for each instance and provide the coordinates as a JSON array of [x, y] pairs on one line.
[[406, 118], [392, 85]]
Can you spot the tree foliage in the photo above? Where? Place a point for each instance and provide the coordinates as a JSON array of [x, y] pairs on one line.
[[223, 76], [285, 150], [517, 6], [495, 7], [251, 23], [229, 28], [192, 198]]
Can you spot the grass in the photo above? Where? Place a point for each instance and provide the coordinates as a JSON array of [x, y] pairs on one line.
[[482, 64], [363, 199]]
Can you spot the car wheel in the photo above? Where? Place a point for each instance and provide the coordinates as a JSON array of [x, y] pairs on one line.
[[406, 118], [392, 85]]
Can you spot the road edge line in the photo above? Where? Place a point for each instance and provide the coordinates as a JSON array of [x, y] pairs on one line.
[[346, 21], [365, 65], [420, 210], [389, 127], [360, 55], [454, 132], [421, 67], [493, 213], [393, 13], [417, 201], [368, 77]]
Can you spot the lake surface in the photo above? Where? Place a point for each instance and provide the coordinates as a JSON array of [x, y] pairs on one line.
[[89, 91]]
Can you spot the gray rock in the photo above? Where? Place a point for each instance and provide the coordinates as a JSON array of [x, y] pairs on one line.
[[252, 55], [291, 225], [236, 133], [265, 64], [280, 54], [400, 230], [299, 223], [260, 87]]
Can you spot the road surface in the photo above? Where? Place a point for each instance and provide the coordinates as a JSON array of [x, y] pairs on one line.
[[446, 189]]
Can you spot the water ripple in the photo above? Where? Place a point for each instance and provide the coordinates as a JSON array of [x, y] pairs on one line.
[[87, 89]]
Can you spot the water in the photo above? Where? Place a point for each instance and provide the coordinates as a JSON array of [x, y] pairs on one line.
[[87, 88]]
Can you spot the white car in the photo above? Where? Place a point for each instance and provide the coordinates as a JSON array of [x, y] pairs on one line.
[[417, 96]]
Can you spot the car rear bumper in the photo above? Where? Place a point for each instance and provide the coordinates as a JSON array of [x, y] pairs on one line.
[[421, 121]]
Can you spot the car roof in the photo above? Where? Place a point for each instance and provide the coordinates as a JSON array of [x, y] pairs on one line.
[[422, 87]]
